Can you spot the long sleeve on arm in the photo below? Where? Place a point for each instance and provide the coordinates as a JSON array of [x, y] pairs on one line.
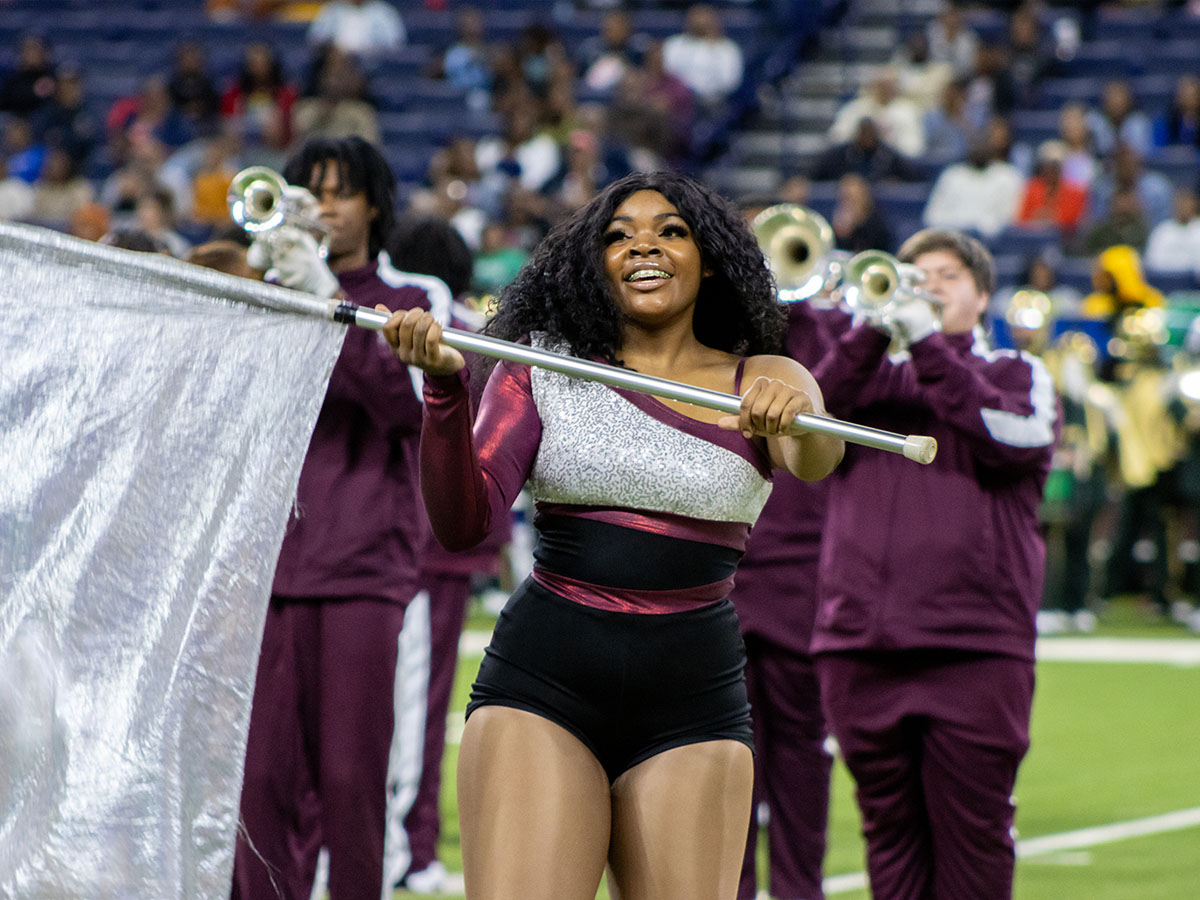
[[1004, 402], [368, 375], [470, 480], [856, 372]]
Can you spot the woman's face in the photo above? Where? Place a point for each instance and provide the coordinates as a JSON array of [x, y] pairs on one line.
[[652, 259]]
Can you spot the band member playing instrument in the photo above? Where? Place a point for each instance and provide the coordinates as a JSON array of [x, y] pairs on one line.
[[776, 599], [321, 724], [609, 722], [776, 602], [930, 580], [434, 247]]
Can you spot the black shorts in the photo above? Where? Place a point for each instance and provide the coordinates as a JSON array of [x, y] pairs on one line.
[[628, 685]]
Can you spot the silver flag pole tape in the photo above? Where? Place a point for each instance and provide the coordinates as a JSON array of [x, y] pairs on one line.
[[918, 448]]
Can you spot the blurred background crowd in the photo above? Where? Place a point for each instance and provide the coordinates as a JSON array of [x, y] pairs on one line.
[[1065, 135]]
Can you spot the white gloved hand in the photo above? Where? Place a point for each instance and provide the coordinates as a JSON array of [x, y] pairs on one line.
[[866, 314], [293, 259], [301, 200], [911, 321]]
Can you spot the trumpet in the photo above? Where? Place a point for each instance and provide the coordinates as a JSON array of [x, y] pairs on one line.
[[799, 246], [259, 203], [875, 282]]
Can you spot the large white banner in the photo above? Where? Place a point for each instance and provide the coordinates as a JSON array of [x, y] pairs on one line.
[[153, 420]]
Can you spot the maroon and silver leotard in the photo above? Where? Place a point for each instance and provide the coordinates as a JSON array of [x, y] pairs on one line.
[[639, 508]]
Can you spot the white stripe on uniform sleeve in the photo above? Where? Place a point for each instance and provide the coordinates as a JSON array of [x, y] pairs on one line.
[[441, 302], [1035, 430]]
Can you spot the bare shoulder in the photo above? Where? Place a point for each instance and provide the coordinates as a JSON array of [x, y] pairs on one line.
[[783, 368]]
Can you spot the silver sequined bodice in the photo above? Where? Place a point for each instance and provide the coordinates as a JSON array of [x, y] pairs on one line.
[[599, 449]]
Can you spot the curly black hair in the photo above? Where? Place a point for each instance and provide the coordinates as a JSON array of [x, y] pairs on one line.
[[429, 245], [361, 166], [564, 292]]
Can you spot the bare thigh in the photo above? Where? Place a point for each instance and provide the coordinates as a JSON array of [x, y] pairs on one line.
[[679, 824], [534, 809]]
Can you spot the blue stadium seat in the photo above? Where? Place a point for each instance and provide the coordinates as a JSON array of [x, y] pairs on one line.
[[426, 26], [409, 159], [1167, 282], [1125, 24], [822, 195], [1103, 59], [1076, 272], [1180, 26], [1010, 269], [1034, 125], [1165, 64], [1055, 92], [1181, 165], [105, 87], [1025, 242], [1154, 92], [990, 24], [409, 94], [903, 199]]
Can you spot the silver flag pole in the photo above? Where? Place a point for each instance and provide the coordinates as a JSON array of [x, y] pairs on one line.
[[918, 448]]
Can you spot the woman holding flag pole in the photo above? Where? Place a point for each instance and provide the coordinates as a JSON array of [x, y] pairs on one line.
[[609, 725]]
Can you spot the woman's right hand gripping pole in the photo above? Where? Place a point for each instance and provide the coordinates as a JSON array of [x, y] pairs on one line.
[[416, 339]]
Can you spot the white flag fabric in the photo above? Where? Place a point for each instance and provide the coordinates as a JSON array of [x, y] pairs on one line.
[[153, 421]]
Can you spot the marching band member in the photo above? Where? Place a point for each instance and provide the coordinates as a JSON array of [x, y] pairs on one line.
[[776, 597], [1077, 486], [321, 723], [1148, 444], [930, 579]]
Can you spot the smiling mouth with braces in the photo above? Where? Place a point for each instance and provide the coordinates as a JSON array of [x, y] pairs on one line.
[[647, 275]]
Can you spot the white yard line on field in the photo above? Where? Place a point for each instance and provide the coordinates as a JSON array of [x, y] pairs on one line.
[[1040, 846], [1055, 843], [1166, 651]]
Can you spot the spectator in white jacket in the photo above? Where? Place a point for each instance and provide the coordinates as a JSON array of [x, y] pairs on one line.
[[703, 58], [980, 194], [1174, 243], [363, 28], [900, 120]]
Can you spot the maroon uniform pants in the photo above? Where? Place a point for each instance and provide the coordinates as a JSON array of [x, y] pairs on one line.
[[317, 755], [448, 596], [791, 771], [933, 743]]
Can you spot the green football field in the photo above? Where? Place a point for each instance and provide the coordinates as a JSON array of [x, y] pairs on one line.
[[1108, 797]]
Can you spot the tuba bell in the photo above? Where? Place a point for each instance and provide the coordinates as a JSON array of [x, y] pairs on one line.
[[260, 201], [1029, 318], [798, 245]]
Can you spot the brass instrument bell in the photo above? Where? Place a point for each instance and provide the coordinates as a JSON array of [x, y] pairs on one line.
[[871, 282], [798, 244], [258, 202], [1139, 335], [1028, 315]]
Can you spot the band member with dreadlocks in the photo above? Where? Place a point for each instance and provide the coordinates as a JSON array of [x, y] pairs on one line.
[[321, 723]]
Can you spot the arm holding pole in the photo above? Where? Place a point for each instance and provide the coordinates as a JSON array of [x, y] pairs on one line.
[[918, 448]]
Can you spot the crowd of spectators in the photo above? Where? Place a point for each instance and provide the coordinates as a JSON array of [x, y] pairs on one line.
[[570, 118], [940, 113]]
